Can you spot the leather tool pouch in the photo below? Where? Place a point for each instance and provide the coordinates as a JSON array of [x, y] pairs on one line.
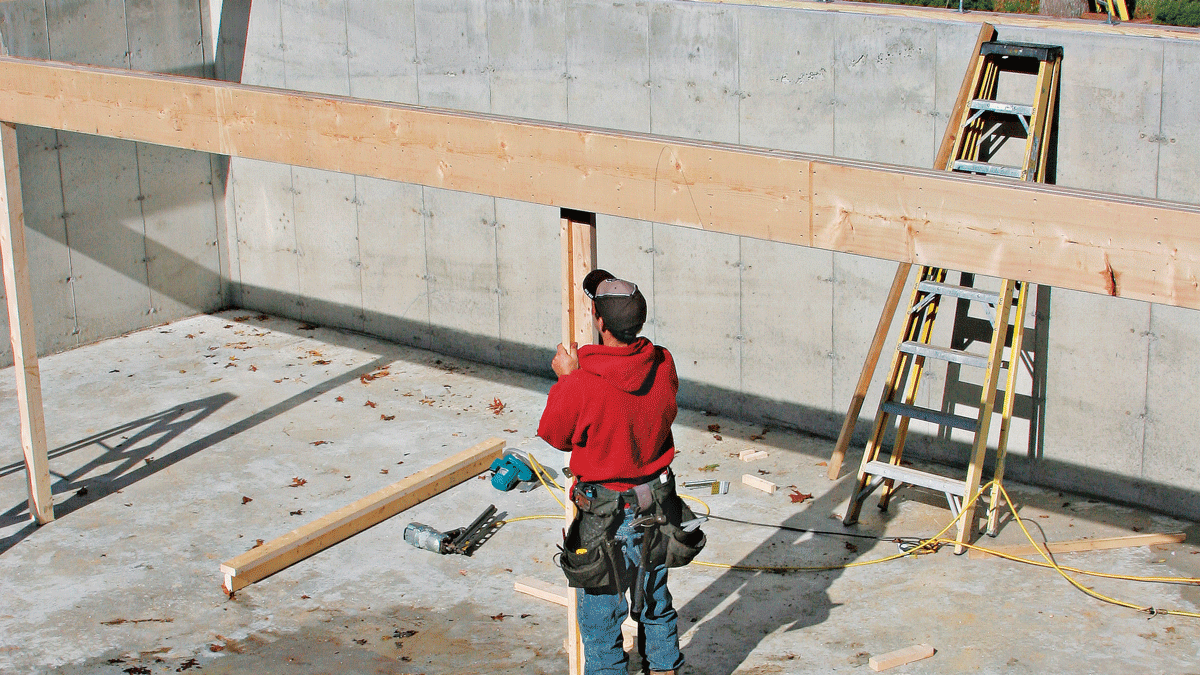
[[587, 555], [672, 545]]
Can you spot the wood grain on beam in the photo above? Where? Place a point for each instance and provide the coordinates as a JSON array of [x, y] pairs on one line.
[[263, 561], [1140, 249]]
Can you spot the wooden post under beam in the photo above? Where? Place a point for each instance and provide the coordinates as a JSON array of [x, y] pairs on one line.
[[263, 561], [578, 235], [20, 326]]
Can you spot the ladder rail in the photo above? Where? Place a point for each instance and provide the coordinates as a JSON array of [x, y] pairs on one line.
[[1010, 397], [968, 146]]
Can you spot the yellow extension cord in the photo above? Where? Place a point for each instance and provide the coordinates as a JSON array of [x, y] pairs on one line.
[[930, 544]]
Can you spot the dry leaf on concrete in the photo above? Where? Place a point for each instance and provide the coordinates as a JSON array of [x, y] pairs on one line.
[[799, 497]]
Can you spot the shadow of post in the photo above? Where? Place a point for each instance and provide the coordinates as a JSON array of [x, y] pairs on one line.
[[130, 460]]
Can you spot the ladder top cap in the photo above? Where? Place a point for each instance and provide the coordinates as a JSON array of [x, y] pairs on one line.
[[1040, 52]]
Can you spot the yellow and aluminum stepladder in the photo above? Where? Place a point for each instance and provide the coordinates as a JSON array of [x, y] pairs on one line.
[[981, 123]]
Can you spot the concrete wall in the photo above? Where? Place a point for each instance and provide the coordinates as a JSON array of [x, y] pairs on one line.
[[120, 235], [769, 332], [765, 331]]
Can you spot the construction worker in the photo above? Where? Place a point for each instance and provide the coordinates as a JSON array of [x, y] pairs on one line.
[[612, 409]]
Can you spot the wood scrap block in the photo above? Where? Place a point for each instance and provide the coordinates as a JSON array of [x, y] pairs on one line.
[[759, 483], [1076, 545], [629, 634], [900, 657], [542, 589], [263, 561], [751, 455]]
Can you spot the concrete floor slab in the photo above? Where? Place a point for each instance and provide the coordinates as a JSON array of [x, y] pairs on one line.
[[176, 448]]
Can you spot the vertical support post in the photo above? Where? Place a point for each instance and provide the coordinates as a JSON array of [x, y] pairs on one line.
[[899, 283], [578, 236], [20, 324]]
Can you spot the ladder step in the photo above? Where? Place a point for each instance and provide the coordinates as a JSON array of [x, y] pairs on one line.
[[1039, 52], [944, 354], [965, 292], [989, 169], [928, 415], [1001, 107], [923, 479]]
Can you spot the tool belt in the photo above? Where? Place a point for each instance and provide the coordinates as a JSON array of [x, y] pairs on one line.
[[589, 555]]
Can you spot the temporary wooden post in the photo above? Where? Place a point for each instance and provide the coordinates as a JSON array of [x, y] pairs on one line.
[[578, 235], [20, 326], [899, 283]]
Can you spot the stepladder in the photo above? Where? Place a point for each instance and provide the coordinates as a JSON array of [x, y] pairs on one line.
[[991, 136]]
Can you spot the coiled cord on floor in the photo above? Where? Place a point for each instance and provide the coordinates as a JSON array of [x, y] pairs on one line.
[[911, 546]]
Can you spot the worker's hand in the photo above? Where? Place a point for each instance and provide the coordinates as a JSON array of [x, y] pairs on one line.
[[565, 361]]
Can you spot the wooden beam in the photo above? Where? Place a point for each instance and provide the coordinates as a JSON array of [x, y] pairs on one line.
[[20, 327], [263, 561], [1122, 246], [1076, 545], [578, 237]]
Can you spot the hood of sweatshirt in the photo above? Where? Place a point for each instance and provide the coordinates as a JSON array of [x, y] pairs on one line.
[[630, 368]]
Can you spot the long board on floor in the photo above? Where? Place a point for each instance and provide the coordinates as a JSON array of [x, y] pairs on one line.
[[1129, 247], [1076, 545], [263, 561]]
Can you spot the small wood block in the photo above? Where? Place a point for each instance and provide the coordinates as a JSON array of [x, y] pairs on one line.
[[542, 590], [629, 634], [751, 455], [900, 657], [759, 484]]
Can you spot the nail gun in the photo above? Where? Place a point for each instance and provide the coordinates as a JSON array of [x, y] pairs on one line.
[[463, 540]]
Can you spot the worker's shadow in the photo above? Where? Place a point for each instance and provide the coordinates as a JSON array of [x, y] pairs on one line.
[[112, 460], [739, 609]]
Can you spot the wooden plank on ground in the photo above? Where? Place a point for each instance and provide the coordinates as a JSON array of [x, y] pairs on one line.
[[1076, 545], [1123, 246], [542, 589], [19, 295], [900, 657], [265, 560]]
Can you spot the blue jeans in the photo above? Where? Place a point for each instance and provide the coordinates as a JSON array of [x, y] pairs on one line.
[[601, 614]]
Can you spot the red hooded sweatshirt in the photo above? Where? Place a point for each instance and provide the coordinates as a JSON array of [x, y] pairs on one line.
[[614, 414]]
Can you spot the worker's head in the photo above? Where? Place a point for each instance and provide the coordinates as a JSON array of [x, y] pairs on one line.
[[618, 303]]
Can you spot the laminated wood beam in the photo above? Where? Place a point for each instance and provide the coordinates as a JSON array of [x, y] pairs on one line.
[[263, 561], [19, 298], [1134, 248]]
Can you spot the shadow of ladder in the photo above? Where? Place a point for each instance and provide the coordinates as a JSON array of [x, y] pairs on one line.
[[978, 123]]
